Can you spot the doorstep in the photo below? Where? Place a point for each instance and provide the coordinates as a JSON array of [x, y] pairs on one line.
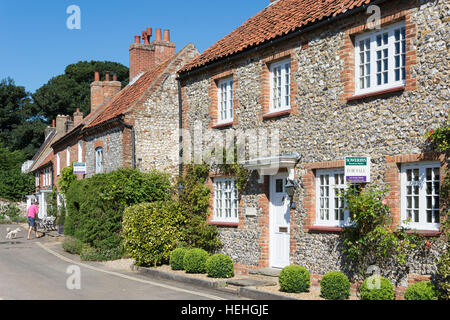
[[268, 272]]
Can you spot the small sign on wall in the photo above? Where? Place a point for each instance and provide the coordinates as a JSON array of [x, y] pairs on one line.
[[79, 167], [357, 169]]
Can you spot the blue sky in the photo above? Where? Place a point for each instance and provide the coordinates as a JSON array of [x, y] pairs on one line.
[[36, 45]]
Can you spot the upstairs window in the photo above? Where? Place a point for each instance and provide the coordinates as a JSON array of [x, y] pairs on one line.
[[280, 86], [67, 157], [80, 151], [380, 59], [99, 160], [225, 102], [58, 164]]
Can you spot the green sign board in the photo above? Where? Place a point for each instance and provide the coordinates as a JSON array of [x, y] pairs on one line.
[[357, 169]]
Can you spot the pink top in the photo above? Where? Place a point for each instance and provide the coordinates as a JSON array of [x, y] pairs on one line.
[[32, 210]]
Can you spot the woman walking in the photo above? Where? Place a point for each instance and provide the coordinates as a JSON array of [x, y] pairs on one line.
[[32, 210]]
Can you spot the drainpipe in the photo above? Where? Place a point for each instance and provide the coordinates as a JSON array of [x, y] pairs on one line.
[[180, 132], [133, 142]]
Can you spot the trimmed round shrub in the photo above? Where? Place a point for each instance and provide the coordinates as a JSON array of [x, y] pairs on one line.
[[335, 286], [377, 288], [220, 266], [194, 260], [423, 290], [176, 258], [294, 278]]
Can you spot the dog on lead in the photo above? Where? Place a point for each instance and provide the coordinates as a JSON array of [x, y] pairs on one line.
[[12, 234]]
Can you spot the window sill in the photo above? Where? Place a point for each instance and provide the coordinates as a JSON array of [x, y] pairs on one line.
[[425, 233], [325, 228], [222, 125], [375, 93], [276, 114], [224, 224]]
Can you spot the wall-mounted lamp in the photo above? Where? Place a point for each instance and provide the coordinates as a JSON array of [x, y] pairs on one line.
[[290, 187]]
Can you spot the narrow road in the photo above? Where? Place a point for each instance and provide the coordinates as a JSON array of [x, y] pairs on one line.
[[37, 269]]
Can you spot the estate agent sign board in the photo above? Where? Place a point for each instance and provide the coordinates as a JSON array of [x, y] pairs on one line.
[[79, 167], [357, 169]]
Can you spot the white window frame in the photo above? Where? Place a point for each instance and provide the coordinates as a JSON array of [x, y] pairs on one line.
[[280, 86], [37, 179], [226, 201], [422, 224], [394, 62], [225, 108], [80, 151], [99, 160], [58, 164], [331, 221], [68, 157]]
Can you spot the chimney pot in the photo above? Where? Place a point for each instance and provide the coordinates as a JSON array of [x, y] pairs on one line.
[[115, 77], [166, 35], [158, 34], [107, 76], [97, 76], [53, 123], [149, 32], [137, 39]]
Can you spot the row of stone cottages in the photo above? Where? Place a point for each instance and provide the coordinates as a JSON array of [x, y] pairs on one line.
[[317, 85]]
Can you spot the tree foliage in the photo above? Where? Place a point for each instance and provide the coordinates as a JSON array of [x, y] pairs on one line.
[[65, 93], [20, 127], [13, 183]]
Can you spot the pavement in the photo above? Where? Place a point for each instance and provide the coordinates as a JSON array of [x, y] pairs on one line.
[[38, 269]]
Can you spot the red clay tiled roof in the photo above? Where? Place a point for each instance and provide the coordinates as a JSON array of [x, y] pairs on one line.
[[126, 97], [279, 18]]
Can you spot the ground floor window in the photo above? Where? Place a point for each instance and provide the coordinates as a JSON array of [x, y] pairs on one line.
[[420, 188], [225, 200], [330, 204]]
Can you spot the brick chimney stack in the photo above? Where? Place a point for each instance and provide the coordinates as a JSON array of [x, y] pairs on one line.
[[61, 124], [77, 117], [145, 56], [102, 90]]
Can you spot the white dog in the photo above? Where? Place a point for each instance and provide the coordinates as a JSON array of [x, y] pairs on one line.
[[13, 233]]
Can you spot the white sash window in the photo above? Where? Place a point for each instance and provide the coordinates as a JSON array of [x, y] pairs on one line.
[[330, 204], [225, 103], [420, 188], [225, 200], [380, 58], [280, 82], [99, 160]]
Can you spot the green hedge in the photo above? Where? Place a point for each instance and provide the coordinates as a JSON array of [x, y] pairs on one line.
[[423, 290], [151, 231], [335, 286], [176, 258], [194, 260], [220, 266], [294, 278], [95, 206], [377, 288]]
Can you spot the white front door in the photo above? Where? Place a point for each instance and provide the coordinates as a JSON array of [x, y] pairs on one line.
[[279, 222]]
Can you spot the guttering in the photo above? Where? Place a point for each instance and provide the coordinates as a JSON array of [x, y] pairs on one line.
[[278, 39]]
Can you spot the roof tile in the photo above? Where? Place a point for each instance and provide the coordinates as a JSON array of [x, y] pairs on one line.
[[279, 18]]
